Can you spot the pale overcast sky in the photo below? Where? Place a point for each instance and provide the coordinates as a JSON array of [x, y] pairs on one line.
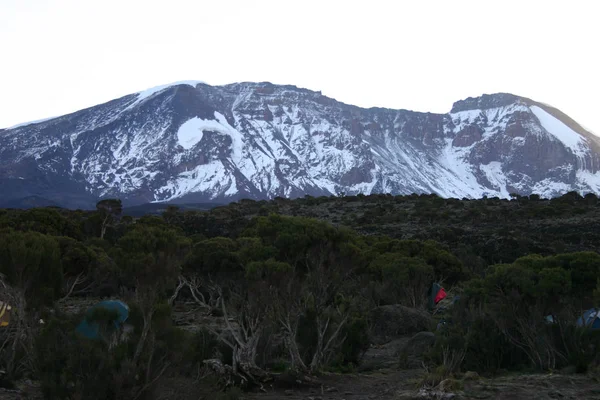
[[58, 56]]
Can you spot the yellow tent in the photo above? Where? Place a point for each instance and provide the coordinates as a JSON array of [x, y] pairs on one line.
[[4, 314]]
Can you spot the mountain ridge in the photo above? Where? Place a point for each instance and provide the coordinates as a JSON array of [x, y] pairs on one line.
[[194, 142]]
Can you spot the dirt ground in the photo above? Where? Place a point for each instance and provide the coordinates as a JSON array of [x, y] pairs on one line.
[[398, 385], [403, 385], [376, 385], [386, 384], [383, 385]]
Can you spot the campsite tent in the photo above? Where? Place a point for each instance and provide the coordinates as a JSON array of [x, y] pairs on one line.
[[4, 314], [436, 294], [590, 318], [91, 329]]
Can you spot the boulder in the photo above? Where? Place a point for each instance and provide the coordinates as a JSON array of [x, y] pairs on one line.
[[393, 321], [411, 356], [382, 356], [471, 376]]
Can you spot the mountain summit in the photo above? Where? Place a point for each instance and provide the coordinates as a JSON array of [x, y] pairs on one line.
[[191, 142]]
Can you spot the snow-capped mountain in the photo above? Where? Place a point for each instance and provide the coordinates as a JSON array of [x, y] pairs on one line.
[[191, 142]]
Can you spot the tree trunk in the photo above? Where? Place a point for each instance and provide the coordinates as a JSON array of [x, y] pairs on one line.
[[103, 227], [20, 332], [246, 358], [323, 348], [296, 359], [244, 349], [318, 356], [144, 335]]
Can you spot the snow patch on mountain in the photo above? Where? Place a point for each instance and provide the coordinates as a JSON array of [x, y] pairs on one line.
[[237, 138], [457, 178], [571, 139], [494, 174], [548, 188], [211, 177], [589, 181], [192, 131]]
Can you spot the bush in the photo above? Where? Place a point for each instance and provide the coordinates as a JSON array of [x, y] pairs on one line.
[[72, 367], [356, 343], [201, 345]]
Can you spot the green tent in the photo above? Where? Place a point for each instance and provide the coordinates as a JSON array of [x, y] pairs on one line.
[[91, 329]]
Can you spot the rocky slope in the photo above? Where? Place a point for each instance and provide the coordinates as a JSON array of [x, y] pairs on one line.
[[191, 142]]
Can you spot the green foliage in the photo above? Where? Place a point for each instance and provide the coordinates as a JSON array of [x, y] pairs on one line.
[[404, 279], [71, 367], [215, 257], [108, 211], [503, 322], [296, 238], [151, 255], [356, 342], [30, 261], [270, 268], [43, 220]]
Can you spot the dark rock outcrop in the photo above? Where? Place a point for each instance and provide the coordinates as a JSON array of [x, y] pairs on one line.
[[411, 355]]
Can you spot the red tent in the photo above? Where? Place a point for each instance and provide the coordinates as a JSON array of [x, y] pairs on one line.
[[441, 294]]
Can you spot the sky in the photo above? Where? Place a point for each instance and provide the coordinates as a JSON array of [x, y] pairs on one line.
[[59, 56]]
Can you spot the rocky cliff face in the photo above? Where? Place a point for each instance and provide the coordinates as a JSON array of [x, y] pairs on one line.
[[192, 142]]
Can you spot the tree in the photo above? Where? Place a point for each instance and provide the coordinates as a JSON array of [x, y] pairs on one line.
[[31, 277], [30, 261], [150, 258], [221, 276], [86, 268], [519, 297], [109, 210], [322, 261], [404, 279]]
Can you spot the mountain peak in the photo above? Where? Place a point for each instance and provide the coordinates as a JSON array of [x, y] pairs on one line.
[[485, 101], [192, 142]]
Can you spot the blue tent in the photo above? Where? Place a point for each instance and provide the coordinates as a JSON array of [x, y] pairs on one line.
[[91, 329], [590, 318]]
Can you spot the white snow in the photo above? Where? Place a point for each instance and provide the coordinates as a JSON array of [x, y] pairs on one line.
[[211, 177], [571, 139], [548, 188], [496, 118], [191, 131], [494, 174], [237, 138], [456, 177], [588, 181]]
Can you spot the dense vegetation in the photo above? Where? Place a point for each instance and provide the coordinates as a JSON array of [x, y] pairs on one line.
[[291, 285]]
